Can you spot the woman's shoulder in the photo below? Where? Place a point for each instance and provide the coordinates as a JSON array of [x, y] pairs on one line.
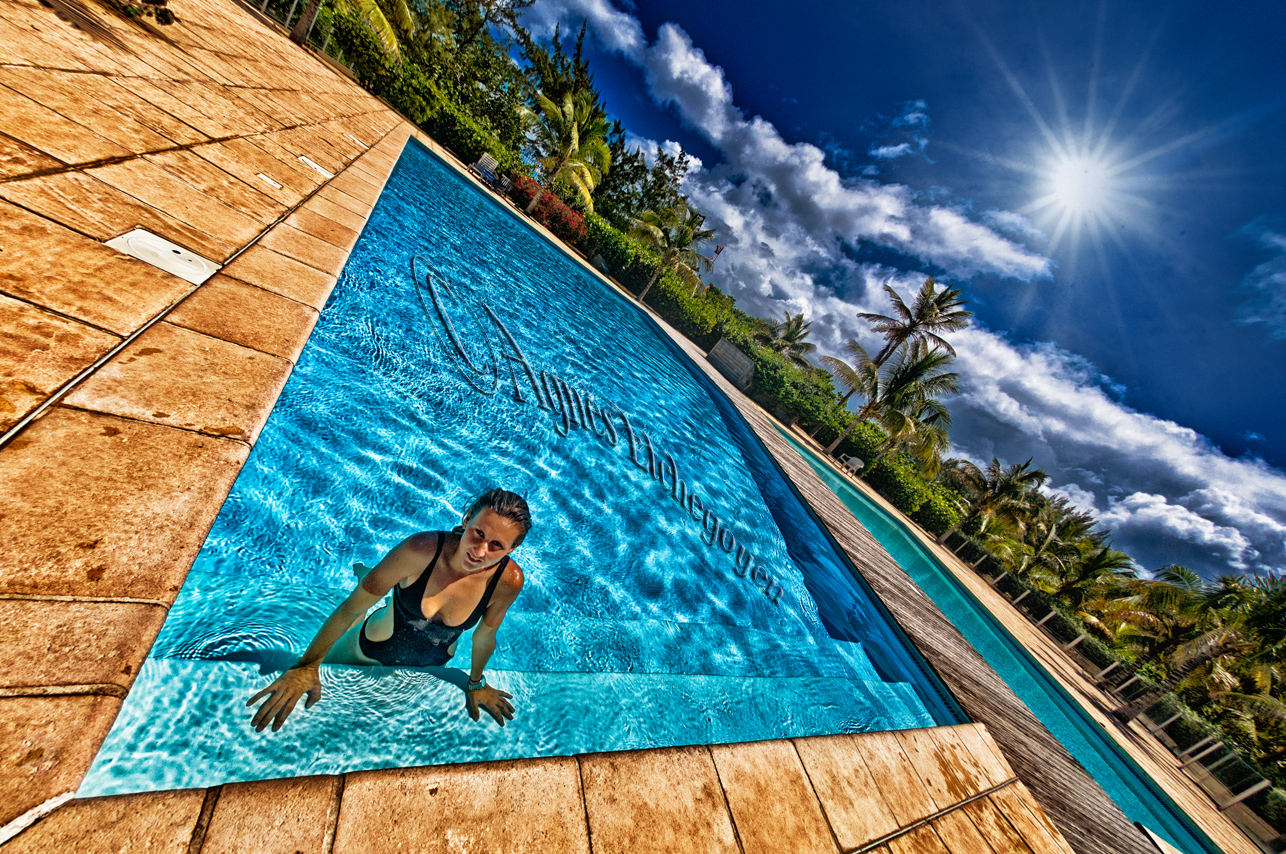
[[425, 542], [512, 577]]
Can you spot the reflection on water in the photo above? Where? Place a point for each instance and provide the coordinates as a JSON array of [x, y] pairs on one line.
[[638, 625]]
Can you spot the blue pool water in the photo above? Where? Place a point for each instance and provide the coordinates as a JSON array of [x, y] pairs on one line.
[[1119, 776], [677, 590]]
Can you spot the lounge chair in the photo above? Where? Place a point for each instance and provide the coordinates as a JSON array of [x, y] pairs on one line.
[[485, 168], [852, 463]]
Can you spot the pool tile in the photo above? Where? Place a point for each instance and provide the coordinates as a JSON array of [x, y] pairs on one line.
[[301, 246], [291, 816], [527, 805], [852, 802], [44, 130], [179, 378], [196, 171], [54, 267], [960, 835], [49, 642], [667, 801], [152, 822], [922, 840], [252, 317], [84, 203], [998, 832], [272, 271], [932, 767], [38, 353], [322, 227], [168, 193], [771, 800], [46, 746], [95, 505], [891, 769], [17, 159]]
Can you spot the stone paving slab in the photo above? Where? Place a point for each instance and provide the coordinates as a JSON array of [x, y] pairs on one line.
[[283, 275], [152, 823], [295, 816], [59, 643], [252, 317], [47, 745], [39, 353], [175, 377], [122, 513], [854, 806], [754, 775]]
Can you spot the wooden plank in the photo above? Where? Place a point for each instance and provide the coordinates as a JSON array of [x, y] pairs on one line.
[[999, 833], [922, 840], [959, 834], [938, 777], [895, 777], [1017, 806], [973, 777], [978, 742], [848, 794]]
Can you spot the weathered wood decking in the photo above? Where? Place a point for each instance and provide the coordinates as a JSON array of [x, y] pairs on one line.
[[1090, 820]]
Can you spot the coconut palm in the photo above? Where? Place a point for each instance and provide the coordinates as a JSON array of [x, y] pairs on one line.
[[673, 233], [902, 398], [997, 492], [931, 313], [786, 336], [570, 142], [370, 12]]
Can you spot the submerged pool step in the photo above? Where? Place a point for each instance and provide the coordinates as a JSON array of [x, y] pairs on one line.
[[227, 618], [372, 719]]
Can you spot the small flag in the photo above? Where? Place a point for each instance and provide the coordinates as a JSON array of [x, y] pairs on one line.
[[717, 250]]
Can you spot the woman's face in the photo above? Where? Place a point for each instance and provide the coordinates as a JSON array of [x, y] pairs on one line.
[[487, 538]]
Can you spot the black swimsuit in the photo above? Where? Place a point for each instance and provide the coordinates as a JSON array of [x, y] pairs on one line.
[[420, 642]]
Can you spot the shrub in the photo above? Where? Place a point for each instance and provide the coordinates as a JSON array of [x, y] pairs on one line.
[[898, 481], [938, 514], [550, 211]]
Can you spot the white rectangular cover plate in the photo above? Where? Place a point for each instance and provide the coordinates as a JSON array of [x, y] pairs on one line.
[[318, 168], [265, 178], [170, 257]]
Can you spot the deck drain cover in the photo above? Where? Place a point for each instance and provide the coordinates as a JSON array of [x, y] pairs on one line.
[[170, 257], [315, 166]]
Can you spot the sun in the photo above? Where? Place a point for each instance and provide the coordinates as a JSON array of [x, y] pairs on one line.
[[1080, 184]]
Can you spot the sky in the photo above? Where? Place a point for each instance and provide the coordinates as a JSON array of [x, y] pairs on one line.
[[1106, 183]]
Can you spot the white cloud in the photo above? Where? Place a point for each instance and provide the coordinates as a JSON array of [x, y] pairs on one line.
[[888, 152], [789, 223], [1267, 282]]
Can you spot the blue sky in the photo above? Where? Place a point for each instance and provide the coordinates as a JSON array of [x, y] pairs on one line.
[[1107, 183]]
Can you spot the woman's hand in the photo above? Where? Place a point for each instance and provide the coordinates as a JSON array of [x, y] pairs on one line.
[[282, 695], [494, 701]]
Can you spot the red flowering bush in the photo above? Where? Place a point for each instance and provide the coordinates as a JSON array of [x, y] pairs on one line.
[[550, 211]]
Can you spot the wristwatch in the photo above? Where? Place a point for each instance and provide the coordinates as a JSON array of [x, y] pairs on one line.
[[481, 683]]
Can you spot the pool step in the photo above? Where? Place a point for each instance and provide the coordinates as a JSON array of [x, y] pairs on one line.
[[393, 718], [212, 621]]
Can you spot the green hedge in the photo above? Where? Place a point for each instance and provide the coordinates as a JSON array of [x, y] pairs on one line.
[[938, 514], [897, 480]]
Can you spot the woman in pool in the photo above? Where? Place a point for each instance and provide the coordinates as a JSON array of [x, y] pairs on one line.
[[443, 584]]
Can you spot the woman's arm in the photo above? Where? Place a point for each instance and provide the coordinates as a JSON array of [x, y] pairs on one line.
[[496, 702], [304, 676]]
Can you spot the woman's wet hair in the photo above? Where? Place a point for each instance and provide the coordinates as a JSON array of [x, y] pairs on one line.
[[502, 502]]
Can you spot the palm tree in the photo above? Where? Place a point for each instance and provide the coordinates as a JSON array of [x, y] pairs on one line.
[[995, 493], [786, 336], [570, 141], [672, 233], [932, 312], [370, 12], [901, 397]]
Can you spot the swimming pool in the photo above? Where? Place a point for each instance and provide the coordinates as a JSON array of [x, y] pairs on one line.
[[677, 591], [1127, 785]]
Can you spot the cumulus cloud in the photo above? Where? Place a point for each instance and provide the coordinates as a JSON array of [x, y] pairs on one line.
[[1267, 282], [792, 228]]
